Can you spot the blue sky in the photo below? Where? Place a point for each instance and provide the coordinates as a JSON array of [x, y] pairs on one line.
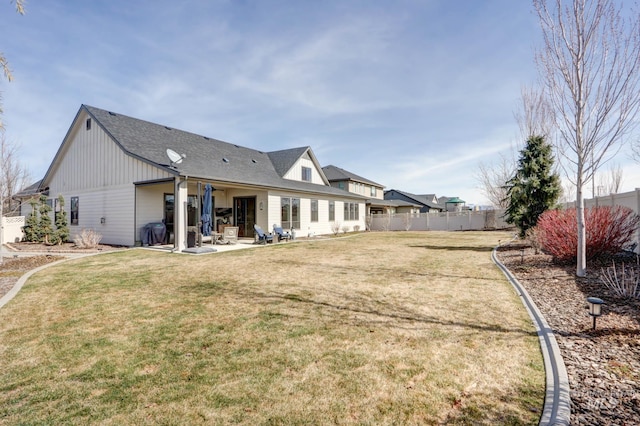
[[411, 94]]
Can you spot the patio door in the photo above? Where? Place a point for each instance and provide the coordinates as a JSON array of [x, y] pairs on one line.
[[245, 215]]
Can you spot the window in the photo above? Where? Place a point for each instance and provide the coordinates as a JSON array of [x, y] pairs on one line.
[[332, 211], [314, 210], [341, 185], [290, 213], [373, 191], [75, 206], [88, 124], [306, 174], [351, 211]]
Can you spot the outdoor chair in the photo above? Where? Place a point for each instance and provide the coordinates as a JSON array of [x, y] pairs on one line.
[[263, 238], [282, 235], [229, 235]]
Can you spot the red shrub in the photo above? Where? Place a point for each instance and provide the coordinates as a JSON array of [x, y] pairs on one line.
[[608, 230]]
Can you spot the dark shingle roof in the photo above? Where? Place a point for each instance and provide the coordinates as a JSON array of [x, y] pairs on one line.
[[285, 159], [205, 158], [29, 191], [422, 199], [334, 173]]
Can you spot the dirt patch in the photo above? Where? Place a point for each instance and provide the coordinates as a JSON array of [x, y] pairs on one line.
[[603, 364], [12, 269], [60, 248]]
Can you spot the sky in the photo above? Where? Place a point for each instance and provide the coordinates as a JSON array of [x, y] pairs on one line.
[[411, 94]]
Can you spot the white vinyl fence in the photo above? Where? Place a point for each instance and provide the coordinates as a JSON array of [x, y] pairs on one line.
[[12, 229], [629, 199], [448, 221]]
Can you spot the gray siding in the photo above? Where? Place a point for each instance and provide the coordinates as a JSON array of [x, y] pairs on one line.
[[91, 166]]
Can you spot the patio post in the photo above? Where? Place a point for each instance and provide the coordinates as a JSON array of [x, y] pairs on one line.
[[180, 213]]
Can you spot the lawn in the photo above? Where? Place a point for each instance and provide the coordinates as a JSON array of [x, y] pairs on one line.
[[377, 328]]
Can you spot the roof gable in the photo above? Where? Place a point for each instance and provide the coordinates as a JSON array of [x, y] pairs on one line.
[[335, 173], [425, 200]]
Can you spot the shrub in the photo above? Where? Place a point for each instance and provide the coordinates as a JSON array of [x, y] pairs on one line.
[[345, 228], [62, 225], [608, 231], [335, 228], [356, 228], [87, 238], [31, 228], [623, 280]]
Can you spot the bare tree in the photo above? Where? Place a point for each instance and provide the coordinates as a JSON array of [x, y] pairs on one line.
[[4, 64], [13, 175], [535, 116], [568, 193], [589, 66], [492, 180], [609, 182]]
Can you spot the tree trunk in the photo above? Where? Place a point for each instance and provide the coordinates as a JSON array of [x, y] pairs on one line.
[[581, 255]]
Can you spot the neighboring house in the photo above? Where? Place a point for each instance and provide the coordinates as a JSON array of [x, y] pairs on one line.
[[428, 203], [116, 176], [351, 182], [453, 204], [26, 195]]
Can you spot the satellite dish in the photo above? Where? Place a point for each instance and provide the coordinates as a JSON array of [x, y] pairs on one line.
[[174, 157]]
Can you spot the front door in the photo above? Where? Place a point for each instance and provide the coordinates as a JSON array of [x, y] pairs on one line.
[[245, 215]]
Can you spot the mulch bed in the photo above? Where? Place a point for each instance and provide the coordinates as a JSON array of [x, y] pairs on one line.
[[603, 364]]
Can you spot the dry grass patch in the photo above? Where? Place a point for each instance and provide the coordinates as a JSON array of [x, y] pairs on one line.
[[381, 328]]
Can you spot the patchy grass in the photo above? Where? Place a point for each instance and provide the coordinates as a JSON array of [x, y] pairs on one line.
[[380, 328]]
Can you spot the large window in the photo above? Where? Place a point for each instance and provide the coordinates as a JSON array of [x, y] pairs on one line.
[[306, 174], [351, 211], [373, 191], [74, 210], [314, 210], [332, 210], [290, 212]]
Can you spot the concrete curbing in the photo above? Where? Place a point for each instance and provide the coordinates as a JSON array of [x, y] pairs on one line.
[[557, 402]]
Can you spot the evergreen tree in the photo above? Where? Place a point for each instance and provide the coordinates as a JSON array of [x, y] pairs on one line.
[[62, 226], [46, 227], [31, 226], [535, 188]]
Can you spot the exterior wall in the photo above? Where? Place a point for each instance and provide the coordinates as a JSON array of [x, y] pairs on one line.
[[12, 229], [365, 189], [149, 202], [296, 171], [25, 206], [109, 212], [392, 195], [92, 167], [449, 221], [323, 225]]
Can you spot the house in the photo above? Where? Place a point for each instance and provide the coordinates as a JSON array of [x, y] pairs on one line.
[[351, 182], [118, 174], [453, 204], [428, 203], [27, 195]]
